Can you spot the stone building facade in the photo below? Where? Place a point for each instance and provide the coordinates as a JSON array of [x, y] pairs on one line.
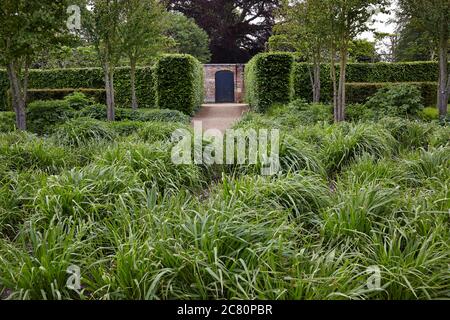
[[221, 79]]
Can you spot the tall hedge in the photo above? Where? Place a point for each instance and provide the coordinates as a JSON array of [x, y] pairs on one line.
[[54, 82], [179, 83], [364, 78], [269, 80]]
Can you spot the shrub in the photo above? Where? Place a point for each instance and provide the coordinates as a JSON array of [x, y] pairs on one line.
[[97, 95], [358, 112], [7, 121], [162, 115], [44, 116], [429, 114], [179, 83], [268, 79], [126, 128], [78, 100], [402, 100], [81, 131]]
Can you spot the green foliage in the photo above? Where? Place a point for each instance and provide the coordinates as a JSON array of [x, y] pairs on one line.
[[82, 131], [358, 112], [44, 116], [361, 76], [159, 131], [189, 37], [57, 83], [7, 121], [179, 83], [78, 100], [362, 50], [429, 114], [269, 80], [397, 100]]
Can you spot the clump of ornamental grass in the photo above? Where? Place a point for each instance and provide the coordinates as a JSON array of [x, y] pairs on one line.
[[367, 169], [440, 137], [82, 131], [35, 265], [344, 143], [357, 209], [408, 133], [84, 192], [153, 165], [7, 121], [302, 192], [160, 131], [23, 151], [425, 165]]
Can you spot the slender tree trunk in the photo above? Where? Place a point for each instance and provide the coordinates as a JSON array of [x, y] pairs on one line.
[[109, 87], [443, 75], [18, 95], [333, 80], [341, 89], [134, 103], [316, 81]]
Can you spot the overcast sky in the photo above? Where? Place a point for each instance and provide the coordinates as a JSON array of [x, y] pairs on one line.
[[383, 24]]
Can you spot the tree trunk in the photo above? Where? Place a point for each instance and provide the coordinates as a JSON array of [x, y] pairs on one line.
[[134, 103], [18, 96], [443, 75], [333, 80], [109, 87], [317, 84], [341, 91]]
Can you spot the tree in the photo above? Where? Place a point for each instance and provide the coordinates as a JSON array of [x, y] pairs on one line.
[[433, 16], [101, 25], [26, 28], [414, 44], [306, 25], [140, 28], [362, 50], [238, 29], [349, 18], [189, 38]]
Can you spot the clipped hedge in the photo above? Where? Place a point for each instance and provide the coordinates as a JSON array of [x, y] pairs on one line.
[[363, 79], [56, 83], [269, 80], [179, 83]]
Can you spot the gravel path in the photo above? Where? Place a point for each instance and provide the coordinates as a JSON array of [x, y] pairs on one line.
[[220, 116]]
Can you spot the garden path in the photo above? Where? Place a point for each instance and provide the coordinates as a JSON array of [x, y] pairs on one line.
[[220, 116]]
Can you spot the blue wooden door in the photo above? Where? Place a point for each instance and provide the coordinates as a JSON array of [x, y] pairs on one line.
[[224, 86]]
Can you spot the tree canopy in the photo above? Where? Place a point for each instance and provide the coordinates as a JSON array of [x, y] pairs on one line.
[[238, 29]]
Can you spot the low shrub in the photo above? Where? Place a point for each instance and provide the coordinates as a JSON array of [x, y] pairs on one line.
[[78, 100], [429, 114], [7, 121], [82, 131], [44, 116], [396, 100], [358, 112], [126, 128]]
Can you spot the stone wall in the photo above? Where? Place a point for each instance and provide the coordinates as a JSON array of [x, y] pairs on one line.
[[210, 81]]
